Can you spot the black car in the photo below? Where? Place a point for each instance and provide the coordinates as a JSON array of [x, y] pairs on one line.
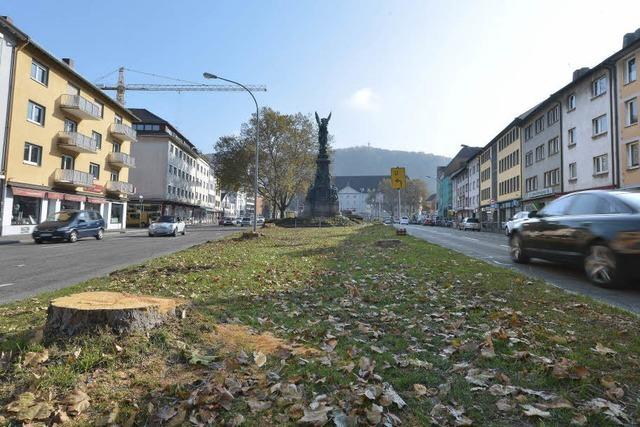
[[598, 229], [70, 225]]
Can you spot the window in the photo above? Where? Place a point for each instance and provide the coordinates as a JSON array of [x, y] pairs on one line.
[[527, 133], [551, 178], [539, 124], [32, 154], [601, 164], [97, 137], [554, 146], [39, 73], [588, 204], [117, 119], [571, 102], [528, 158], [571, 136], [26, 211], [540, 153], [72, 90], [600, 126], [557, 207], [573, 171], [631, 111], [35, 113], [632, 155], [94, 169], [553, 115], [100, 106], [531, 184], [70, 125], [116, 147], [599, 86], [67, 162], [630, 70], [115, 176]]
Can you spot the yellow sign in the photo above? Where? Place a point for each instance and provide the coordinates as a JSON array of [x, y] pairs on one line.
[[398, 178]]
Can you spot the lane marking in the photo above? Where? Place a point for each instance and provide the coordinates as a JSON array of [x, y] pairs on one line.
[[505, 246], [20, 265], [6, 284]]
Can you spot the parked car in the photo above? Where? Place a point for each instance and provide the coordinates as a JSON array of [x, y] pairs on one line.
[[237, 221], [404, 220], [515, 220], [387, 221], [598, 229], [167, 225], [226, 221], [70, 225], [260, 220], [469, 224], [246, 221]]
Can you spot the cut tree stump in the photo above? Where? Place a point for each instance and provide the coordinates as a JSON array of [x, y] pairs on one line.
[[388, 243], [121, 312]]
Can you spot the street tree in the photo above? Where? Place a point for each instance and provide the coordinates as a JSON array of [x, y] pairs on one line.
[[411, 198]]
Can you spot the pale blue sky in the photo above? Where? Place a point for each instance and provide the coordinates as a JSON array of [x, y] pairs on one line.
[[411, 75]]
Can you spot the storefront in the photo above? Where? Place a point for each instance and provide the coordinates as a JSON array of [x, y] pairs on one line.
[[115, 220], [536, 200], [72, 201], [507, 210], [94, 204], [24, 209], [489, 218]]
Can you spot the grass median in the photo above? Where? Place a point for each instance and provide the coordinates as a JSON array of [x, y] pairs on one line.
[[319, 326]]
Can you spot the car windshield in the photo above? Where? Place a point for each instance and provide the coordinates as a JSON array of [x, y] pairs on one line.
[[165, 218], [246, 219], [61, 216], [474, 220], [631, 198]]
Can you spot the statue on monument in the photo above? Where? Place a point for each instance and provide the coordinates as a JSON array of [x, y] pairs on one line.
[[322, 198]]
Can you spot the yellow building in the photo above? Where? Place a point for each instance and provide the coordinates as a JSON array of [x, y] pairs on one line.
[[68, 144], [509, 149], [628, 101], [487, 192]]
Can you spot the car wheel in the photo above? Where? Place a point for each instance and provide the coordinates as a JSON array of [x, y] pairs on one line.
[[150, 235], [73, 237], [174, 232], [516, 250], [506, 231], [100, 234], [184, 231], [38, 241], [601, 267]]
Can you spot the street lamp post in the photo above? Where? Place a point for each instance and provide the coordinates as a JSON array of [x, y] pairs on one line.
[[255, 181], [140, 218]]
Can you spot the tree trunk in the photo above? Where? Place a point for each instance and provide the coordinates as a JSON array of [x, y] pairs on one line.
[[120, 312]]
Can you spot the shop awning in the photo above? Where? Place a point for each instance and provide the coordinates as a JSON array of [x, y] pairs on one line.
[[56, 196], [74, 198], [94, 200], [27, 192]]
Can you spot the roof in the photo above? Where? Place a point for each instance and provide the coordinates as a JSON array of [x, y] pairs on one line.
[[360, 182], [146, 116], [464, 155], [22, 36]]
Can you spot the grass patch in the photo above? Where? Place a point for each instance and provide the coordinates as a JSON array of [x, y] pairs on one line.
[[343, 323]]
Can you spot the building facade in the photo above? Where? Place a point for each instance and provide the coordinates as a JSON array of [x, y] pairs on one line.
[[460, 193], [474, 185], [628, 95], [509, 177], [444, 191], [68, 146], [488, 205], [354, 194]]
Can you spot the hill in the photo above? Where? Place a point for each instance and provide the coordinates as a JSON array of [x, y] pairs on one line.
[[378, 161]]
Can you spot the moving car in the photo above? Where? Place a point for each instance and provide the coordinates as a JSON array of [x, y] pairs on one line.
[[598, 229], [246, 221], [260, 220], [515, 220], [387, 221], [469, 224], [70, 225], [227, 221], [167, 225], [404, 220]]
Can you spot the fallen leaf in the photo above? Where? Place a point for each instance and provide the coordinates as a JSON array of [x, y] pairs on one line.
[[25, 408], [601, 349], [256, 405], [77, 402], [317, 416], [32, 358], [419, 389], [504, 405], [374, 414], [532, 411], [579, 420], [259, 358]]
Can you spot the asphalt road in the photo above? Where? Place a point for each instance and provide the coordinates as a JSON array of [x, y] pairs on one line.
[[494, 249], [27, 269]]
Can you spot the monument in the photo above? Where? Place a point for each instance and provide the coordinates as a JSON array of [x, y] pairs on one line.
[[322, 197]]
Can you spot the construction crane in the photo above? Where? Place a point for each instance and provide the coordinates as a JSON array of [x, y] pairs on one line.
[[187, 86]]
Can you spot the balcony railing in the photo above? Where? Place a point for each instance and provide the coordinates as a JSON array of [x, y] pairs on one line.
[[122, 160], [73, 177], [120, 187], [123, 132], [80, 107], [77, 142]]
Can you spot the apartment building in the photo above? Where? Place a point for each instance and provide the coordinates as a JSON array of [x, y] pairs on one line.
[[453, 185], [170, 172], [444, 191], [488, 182], [460, 192], [474, 185], [207, 189], [68, 144], [541, 151], [509, 177], [628, 96]]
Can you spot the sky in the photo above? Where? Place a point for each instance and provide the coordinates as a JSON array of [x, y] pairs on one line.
[[423, 75]]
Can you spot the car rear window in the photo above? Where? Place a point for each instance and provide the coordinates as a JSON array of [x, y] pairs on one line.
[[474, 220], [166, 219]]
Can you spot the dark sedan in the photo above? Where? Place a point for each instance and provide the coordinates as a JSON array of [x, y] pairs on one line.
[[70, 225], [598, 229]]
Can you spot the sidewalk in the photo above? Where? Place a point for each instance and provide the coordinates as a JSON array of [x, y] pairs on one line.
[[26, 238]]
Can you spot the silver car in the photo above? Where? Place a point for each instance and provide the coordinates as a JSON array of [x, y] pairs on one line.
[[469, 224], [514, 221], [167, 225]]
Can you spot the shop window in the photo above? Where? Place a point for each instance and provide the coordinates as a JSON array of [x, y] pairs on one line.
[[26, 211], [116, 213]]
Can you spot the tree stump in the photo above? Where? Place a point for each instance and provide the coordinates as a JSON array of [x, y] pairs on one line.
[[121, 312], [388, 243]]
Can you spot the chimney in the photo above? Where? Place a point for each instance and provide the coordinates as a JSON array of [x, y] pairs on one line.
[[630, 38], [7, 18], [69, 62], [580, 72]]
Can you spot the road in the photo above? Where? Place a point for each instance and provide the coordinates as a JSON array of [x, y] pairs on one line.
[[27, 269], [494, 249]]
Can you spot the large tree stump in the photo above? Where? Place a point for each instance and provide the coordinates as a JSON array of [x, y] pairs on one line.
[[78, 313]]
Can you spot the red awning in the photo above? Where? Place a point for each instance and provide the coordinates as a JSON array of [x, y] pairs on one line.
[[74, 198], [27, 192], [57, 196], [96, 201]]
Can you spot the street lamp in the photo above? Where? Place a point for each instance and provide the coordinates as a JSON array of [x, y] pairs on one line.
[[255, 182], [140, 218]]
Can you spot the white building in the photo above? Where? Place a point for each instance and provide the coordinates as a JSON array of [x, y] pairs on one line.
[[588, 126], [473, 167], [460, 192], [354, 191], [206, 191], [234, 204]]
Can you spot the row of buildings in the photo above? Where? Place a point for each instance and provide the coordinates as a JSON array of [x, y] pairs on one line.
[[65, 144], [584, 136]]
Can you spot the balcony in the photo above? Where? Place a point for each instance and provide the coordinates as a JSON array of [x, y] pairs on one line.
[[73, 178], [77, 142], [123, 132], [121, 160], [80, 108], [121, 188]]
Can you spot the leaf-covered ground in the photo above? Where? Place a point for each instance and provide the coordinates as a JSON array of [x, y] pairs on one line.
[[318, 326]]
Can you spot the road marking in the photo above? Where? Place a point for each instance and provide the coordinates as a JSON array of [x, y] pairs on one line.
[[20, 265], [505, 246], [6, 284], [470, 238]]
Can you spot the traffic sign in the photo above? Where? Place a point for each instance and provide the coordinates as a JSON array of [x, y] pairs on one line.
[[398, 178]]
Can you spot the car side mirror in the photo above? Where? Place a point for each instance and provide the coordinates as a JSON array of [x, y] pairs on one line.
[[533, 214]]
